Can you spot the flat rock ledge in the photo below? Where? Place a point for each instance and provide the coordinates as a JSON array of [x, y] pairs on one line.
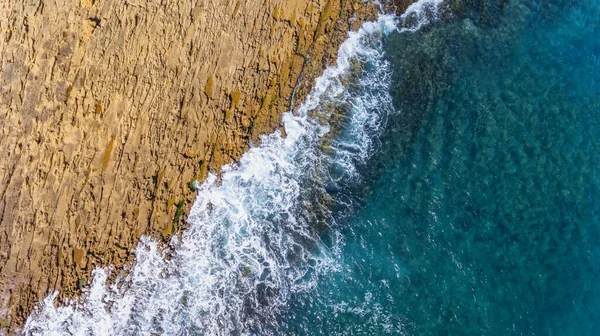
[[109, 110]]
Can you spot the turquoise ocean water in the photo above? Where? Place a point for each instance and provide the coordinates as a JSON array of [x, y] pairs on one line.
[[479, 212]]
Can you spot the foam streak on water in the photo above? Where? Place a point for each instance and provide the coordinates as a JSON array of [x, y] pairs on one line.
[[254, 235], [419, 14]]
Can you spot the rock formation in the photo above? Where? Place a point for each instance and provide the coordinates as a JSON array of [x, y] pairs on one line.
[[109, 110]]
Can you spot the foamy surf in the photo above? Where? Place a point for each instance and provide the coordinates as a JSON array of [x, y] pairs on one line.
[[255, 234], [420, 14]]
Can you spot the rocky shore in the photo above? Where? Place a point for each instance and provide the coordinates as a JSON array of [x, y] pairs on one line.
[[110, 110]]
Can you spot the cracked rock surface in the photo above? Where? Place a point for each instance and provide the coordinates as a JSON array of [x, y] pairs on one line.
[[110, 109]]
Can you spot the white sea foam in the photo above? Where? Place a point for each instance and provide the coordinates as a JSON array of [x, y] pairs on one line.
[[420, 14], [254, 235], [252, 240]]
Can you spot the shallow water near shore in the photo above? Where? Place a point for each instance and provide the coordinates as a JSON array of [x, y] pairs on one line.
[[440, 179]]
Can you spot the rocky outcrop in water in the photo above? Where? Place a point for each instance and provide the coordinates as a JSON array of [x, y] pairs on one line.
[[109, 110]]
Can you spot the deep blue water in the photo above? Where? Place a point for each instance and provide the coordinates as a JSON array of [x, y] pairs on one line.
[[479, 213]]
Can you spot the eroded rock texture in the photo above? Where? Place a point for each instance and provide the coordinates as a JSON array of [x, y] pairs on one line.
[[110, 108]]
